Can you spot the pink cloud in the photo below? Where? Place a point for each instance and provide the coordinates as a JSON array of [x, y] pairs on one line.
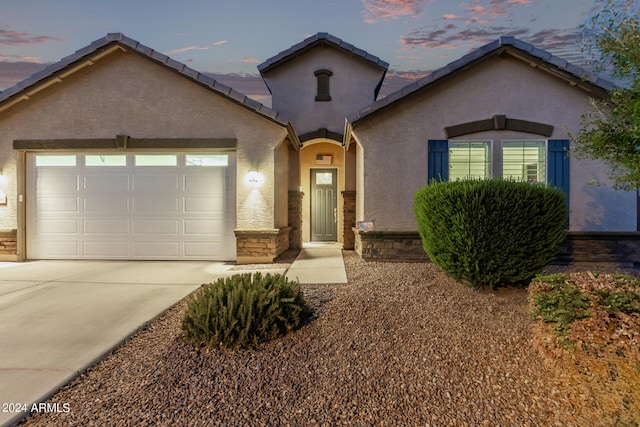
[[185, 49], [18, 58], [250, 60], [379, 10], [15, 38], [221, 42], [449, 16]]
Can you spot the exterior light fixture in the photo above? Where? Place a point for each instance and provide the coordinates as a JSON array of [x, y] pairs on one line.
[[254, 178]]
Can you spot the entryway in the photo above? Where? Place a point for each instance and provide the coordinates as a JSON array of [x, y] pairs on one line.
[[324, 205]]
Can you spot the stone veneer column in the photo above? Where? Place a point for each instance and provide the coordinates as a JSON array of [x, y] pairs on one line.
[[8, 242], [349, 218], [261, 245], [295, 219]]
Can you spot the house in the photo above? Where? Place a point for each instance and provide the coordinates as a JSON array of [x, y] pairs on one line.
[[120, 152]]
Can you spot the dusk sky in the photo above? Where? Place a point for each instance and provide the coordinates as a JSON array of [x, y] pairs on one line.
[[230, 38]]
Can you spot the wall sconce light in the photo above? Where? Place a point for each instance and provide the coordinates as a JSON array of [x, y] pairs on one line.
[[254, 178]]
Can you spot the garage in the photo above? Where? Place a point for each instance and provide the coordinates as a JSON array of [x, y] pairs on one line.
[[133, 205]]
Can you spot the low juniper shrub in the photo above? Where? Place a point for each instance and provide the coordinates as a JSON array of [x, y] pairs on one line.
[[490, 232], [243, 311]]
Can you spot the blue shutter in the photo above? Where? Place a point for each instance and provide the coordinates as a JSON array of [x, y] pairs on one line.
[[438, 160], [558, 166]]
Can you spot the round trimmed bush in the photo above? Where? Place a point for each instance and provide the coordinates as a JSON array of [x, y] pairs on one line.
[[243, 311], [490, 232]]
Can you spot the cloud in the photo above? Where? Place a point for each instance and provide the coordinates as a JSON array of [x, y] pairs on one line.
[[186, 49], [559, 42], [15, 38], [250, 60], [221, 42], [14, 72], [18, 58], [449, 16], [379, 10]]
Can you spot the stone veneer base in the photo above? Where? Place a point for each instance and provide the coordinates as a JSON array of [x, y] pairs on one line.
[[258, 246], [579, 246], [8, 245]]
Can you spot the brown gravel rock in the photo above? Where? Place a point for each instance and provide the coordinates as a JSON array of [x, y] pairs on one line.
[[399, 345]]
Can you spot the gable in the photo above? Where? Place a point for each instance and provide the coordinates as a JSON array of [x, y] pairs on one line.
[[505, 47], [116, 42]]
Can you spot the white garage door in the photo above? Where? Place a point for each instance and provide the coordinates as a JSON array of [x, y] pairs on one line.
[[162, 206]]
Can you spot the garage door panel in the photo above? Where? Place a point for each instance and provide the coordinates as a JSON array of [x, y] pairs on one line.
[[106, 249], [113, 209], [156, 182], [47, 205], [106, 226], [106, 182], [201, 184], [204, 204], [59, 248], [114, 204], [149, 204], [166, 249], [58, 226], [156, 226], [199, 249], [204, 226], [53, 182]]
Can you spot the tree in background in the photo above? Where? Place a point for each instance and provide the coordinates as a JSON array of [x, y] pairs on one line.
[[612, 132]]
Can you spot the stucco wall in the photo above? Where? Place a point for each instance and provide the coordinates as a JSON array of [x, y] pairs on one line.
[[125, 94], [395, 142], [294, 87]]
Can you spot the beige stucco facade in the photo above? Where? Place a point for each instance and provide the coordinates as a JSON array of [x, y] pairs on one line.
[[392, 163], [117, 90], [294, 87], [123, 93]]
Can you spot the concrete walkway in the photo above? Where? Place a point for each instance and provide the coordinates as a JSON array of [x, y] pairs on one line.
[[319, 263], [59, 317]]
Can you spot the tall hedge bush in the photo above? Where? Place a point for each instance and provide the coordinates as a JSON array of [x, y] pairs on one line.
[[490, 232]]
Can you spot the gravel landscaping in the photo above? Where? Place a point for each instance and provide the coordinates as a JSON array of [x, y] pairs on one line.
[[399, 345]]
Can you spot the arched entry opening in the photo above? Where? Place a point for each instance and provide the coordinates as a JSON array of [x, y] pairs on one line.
[[327, 178]]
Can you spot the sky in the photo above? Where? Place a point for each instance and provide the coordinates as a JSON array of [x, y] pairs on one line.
[[229, 38]]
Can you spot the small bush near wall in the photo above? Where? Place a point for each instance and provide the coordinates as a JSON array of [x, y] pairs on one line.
[[587, 327], [243, 311], [490, 232]]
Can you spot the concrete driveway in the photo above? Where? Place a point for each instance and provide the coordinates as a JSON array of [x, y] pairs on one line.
[[59, 317]]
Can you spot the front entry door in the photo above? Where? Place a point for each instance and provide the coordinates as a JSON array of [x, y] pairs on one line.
[[324, 205]]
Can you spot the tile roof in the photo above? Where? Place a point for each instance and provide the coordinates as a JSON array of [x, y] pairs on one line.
[[95, 48], [312, 41], [557, 65]]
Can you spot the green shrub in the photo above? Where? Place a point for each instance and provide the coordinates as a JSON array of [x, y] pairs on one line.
[[559, 302], [490, 232], [243, 311]]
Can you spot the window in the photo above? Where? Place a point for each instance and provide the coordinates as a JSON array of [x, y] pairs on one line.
[[106, 160], [207, 160], [524, 160], [156, 160], [55, 160], [323, 85], [469, 159]]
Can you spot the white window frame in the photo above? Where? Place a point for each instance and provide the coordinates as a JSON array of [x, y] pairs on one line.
[[545, 146], [489, 144]]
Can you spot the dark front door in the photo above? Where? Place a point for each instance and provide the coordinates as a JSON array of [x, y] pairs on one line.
[[324, 205]]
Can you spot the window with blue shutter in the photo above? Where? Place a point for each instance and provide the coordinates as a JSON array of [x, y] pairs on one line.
[[438, 160], [558, 166]]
